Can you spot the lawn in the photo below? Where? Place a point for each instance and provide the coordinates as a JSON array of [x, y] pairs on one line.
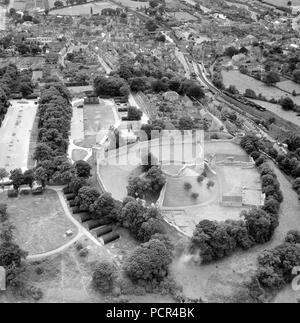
[[175, 188], [78, 154], [40, 222], [97, 118]]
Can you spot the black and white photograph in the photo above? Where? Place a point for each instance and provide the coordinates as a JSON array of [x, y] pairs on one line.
[[149, 154]]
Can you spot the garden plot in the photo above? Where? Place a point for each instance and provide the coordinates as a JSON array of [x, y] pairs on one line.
[[15, 134], [40, 222]]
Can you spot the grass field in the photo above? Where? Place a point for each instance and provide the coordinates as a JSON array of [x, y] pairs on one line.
[[83, 9], [283, 3], [243, 82], [134, 4], [97, 118], [40, 222]]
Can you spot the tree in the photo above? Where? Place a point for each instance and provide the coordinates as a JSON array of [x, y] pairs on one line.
[[296, 75], [65, 173], [293, 236], [293, 142], [137, 187], [156, 179], [260, 225], [104, 276], [138, 84], [3, 212], [77, 183], [43, 152], [41, 175], [211, 241], [151, 25], [11, 254], [210, 184], [187, 186], [102, 208], [186, 123], [83, 169], [276, 265], [287, 104], [148, 262], [231, 51], [17, 178], [3, 174], [159, 86], [86, 197], [271, 78], [58, 4], [195, 91], [134, 114], [28, 177]]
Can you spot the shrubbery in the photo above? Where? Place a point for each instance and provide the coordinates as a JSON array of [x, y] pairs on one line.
[[104, 276]]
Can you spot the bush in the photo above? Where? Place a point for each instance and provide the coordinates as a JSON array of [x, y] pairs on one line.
[[194, 196], [293, 236], [187, 186], [276, 265], [200, 179], [104, 276]]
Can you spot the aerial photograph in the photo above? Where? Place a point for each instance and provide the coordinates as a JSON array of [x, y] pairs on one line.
[[149, 154]]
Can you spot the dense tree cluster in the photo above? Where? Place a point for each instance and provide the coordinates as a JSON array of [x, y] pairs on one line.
[[147, 184], [276, 265], [289, 163], [11, 254], [55, 114], [111, 86], [142, 222], [11, 80], [145, 73]]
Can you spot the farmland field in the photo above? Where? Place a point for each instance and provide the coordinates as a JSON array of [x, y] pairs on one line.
[[276, 108], [133, 4], [184, 16], [283, 3], [243, 82], [83, 9]]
